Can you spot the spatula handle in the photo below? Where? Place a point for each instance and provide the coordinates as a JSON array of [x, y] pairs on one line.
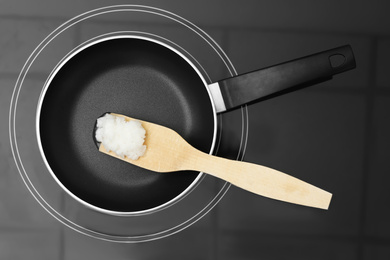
[[263, 181]]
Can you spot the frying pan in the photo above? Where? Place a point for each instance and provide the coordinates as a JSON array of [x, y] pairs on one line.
[[145, 78]]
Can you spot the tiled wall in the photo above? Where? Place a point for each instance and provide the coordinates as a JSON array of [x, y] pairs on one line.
[[334, 135]]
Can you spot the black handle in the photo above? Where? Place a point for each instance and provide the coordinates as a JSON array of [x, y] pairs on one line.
[[315, 68]]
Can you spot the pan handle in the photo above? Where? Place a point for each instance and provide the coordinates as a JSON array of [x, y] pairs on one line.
[[285, 77]]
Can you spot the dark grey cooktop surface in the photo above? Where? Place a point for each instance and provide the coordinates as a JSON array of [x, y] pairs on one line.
[[333, 135]]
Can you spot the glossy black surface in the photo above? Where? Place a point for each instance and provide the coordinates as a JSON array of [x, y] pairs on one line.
[[132, 77], [287, 76]]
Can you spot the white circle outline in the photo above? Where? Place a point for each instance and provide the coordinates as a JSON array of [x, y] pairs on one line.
[[12, 129]]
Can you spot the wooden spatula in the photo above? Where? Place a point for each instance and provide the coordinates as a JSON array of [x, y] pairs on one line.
[[167, 151]]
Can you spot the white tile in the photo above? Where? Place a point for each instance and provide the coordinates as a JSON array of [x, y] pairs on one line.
[[377, 252], [18, 208], [378, 194], [192, 243], [382, 65], [318, 138], [19, 39], [30, 245], [6, 158], [251, 246]]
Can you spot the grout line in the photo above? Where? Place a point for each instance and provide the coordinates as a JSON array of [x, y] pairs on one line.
[[62, 246], [29, 228], [224, 44], [338, 238], [77, 40], [34, 18], [290, 236], [215, 228], [367, 159], [308, 31], [61, 251], [215, 232], [377, 241], [206, 27], [31, 75]]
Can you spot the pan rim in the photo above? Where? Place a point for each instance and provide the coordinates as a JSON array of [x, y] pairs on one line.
[[125, 35]]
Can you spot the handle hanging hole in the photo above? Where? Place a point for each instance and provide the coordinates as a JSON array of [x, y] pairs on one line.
[[337, 60]]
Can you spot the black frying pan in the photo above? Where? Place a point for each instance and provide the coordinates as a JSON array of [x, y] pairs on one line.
[[144, 79]]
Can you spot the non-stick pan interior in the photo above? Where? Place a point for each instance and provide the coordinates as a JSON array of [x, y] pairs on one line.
[[134, 77]]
